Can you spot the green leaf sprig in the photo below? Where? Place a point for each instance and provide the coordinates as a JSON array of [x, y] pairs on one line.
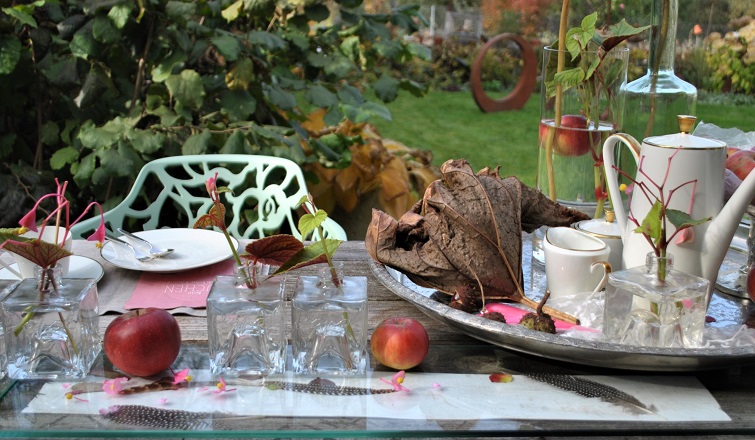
[[320, 251], [282, 250], [579, 71]]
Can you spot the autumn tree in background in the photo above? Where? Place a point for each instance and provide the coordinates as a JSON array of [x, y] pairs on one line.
[[530, 15]]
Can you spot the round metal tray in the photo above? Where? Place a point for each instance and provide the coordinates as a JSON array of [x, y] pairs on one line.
[[729, 313]]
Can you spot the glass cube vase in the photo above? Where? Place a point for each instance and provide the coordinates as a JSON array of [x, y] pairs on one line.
[[51, 326], [329, 324], [643, 311], [6, 286], [246, 326]]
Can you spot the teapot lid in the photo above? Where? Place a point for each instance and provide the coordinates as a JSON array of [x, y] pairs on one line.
[[684, 139], [601, 228]]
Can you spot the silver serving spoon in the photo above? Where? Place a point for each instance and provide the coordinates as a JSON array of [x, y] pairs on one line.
[[139, 255], [155, 251]]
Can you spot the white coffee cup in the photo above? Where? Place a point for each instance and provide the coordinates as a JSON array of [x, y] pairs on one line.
[[572, 258], [26, 267]]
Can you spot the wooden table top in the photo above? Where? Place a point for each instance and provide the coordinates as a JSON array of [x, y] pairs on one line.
[[450, 352]]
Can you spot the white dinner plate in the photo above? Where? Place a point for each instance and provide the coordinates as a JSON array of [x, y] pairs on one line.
[[79, 267], [192, 248]]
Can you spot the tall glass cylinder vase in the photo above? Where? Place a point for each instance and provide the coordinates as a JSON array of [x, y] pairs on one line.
[[576, 117], [654, 100], [575, 120]]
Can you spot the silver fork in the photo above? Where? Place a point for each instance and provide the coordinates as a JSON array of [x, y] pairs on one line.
[[154, 250], [139, 255]]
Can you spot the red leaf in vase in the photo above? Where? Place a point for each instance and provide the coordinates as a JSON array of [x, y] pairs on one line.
[[273, 250]]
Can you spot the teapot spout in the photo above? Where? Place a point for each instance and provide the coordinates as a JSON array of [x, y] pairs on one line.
[[722, 228]]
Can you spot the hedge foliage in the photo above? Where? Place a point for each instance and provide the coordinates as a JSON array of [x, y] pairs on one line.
[[92, 89]]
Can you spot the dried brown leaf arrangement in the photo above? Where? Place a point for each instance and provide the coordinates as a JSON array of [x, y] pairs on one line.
[[465, 234]]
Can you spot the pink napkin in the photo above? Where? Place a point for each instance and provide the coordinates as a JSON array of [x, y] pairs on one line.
[[514, 314], [179, 289]]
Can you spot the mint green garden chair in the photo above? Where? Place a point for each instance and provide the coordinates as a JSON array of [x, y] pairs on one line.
[[265, 198]]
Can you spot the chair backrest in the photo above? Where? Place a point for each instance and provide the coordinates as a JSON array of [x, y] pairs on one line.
[[266, 193]]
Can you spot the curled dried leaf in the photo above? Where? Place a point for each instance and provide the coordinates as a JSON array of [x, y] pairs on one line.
[[466, 231]]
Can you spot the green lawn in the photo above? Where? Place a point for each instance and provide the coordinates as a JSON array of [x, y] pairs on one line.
[[451, 126]]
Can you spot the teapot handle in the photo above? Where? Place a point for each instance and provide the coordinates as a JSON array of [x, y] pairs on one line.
[[609, 148]]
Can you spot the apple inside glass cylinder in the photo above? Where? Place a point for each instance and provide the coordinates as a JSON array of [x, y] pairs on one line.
[[750, 284], [572, 138], [399, 343], [143, 342]]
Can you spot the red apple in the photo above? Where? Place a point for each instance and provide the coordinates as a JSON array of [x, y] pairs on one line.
[[750, 284], [143, 342], [399, 343], [572, 138], [741, 163]]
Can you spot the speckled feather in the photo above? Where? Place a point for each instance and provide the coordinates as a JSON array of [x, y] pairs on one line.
[[590, 388], [325, 389], [140, 415]]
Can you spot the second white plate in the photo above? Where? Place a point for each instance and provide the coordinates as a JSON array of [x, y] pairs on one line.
[[79, 267], [193, 248]]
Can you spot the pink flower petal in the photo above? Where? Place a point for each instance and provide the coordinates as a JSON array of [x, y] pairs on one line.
[[396, 381], [114, 386], [29, 221], [211, 186], [220, 386], [181, 376], [685, 236], [72, 395], [99, 234], [501, 377]]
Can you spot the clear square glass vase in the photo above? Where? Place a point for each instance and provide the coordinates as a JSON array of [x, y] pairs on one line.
[[648, 310], [51, 326], [6, 286], [329, 324], [246, 325]]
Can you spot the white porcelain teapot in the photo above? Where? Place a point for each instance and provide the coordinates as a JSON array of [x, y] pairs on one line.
[[695, 158]]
